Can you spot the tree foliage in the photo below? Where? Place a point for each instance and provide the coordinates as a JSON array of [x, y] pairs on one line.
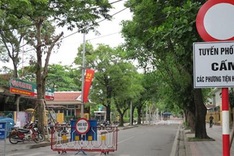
[[116, 80], [161, 34], [63, 78], [39, 19]]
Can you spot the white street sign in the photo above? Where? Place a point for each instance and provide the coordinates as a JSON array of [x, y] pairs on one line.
[[82, 126], [213, 64]]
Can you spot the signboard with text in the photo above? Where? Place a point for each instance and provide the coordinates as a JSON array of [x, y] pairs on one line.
[[213, 64], [82, 126], [22, 87]]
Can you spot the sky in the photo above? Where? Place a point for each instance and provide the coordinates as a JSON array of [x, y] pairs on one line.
[[109, 34]]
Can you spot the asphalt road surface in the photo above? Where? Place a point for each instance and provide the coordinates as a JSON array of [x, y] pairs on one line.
[[144, 140]]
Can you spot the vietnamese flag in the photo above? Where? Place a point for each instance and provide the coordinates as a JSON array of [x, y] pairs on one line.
[[87, 84]]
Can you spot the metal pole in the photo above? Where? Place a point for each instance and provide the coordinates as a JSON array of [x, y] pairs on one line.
[[225, 122], [83, 74]]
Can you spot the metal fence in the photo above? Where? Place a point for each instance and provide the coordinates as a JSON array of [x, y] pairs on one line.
[[98, 139]]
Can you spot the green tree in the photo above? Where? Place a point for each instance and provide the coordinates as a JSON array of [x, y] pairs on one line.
[[127, 88], [149, 94], [163, 38], [63, 78], [101, 60], [43, 16], [12, 31], [3, 53], [113, 76], [60, 77]]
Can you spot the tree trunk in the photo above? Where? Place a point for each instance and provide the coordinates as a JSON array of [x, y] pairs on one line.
[[17, 101], [121, 120], [132, 116], [40, 108], [40, 103], [185, 116], [40, 114], [108, 110], [191, 120], [139, 115], [200, 113]]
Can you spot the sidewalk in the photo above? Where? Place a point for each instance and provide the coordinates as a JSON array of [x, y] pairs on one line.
[[20, 146], [206, 148]]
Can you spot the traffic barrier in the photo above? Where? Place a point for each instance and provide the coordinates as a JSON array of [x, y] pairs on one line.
[[97, 139]]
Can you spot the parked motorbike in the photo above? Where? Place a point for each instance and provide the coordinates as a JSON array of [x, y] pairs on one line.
[[105, 125], [34, 128], [29, 132]]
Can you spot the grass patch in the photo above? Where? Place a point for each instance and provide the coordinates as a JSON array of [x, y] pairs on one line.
[[193, 139], [189, 132]]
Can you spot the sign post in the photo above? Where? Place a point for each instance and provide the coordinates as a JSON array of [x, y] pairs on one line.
[[225, 122], [82, 127], [3, 129], [219, 28]]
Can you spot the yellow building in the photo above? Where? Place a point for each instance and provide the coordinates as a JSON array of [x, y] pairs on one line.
[[214, 107]]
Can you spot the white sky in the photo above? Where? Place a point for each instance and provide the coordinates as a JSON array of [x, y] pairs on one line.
[[109, 34]]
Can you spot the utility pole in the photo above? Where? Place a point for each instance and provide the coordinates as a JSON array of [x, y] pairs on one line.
[[83, 74]]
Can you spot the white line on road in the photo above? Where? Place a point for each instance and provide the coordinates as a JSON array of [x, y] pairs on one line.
[[125, 140]]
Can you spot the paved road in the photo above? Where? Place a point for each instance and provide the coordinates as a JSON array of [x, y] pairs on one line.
[[154, 140], [147, 140]]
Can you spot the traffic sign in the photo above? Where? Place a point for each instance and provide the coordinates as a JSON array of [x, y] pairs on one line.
[[215, 20], [213, 64], [82, 126]]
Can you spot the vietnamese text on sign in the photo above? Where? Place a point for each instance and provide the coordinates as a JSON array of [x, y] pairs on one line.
[[213, 64]]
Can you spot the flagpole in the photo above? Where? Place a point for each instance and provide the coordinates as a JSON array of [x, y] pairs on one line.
[[83, 74]]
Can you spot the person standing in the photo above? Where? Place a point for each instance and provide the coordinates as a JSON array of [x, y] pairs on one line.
[[211, 120]]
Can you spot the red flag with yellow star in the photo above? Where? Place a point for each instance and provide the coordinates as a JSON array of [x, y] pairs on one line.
[[87, 84]]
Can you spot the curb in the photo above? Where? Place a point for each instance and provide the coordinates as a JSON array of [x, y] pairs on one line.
[[186, 143], [187, 147], [43, 144], [128, 127], [176, 142]]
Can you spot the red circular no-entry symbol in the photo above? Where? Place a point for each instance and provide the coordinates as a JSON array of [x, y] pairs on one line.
[[215, 20], [82, 126]]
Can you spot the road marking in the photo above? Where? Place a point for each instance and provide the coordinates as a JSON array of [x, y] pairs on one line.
[[30, 154], [125, 140]]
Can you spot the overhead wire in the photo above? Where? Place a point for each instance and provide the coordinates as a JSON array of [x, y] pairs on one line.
[[102, 36], [97, 22], [116, 1]]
